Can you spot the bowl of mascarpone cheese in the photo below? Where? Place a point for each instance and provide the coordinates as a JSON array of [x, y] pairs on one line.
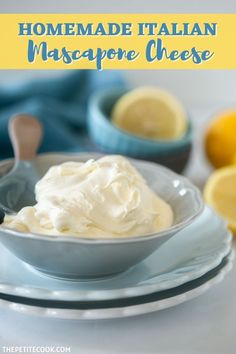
[[97, 216]]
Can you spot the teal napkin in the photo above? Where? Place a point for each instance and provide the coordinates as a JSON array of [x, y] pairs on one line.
[[60, 103]]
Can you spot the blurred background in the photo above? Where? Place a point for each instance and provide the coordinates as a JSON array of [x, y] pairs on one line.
[[202, 92]]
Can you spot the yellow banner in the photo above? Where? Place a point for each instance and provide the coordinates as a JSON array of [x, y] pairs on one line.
[[121, 41]]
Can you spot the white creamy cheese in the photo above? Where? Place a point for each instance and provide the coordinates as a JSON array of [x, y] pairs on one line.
[[103, 198]]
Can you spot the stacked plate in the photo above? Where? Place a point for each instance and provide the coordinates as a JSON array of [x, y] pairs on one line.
[[195, 258]]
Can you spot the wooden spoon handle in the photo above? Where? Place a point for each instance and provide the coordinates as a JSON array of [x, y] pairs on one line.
[[26, 134]]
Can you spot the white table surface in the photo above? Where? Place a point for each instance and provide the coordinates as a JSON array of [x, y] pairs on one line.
[[203, 325]]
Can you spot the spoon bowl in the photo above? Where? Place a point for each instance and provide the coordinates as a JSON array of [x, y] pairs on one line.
[[17, 186]]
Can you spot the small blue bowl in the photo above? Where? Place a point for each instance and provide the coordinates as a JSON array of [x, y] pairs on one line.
[[110, 139]]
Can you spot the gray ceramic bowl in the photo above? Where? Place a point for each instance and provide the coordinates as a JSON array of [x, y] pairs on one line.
[[73, 258], [108, 138]]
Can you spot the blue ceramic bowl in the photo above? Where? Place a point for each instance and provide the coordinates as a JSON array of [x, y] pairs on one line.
[[72, 257], [110, 139]]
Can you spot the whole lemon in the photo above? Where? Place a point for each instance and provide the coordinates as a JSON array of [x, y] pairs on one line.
[[220, 140]]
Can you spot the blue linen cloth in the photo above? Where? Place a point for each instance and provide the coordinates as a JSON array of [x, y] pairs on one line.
[[60, 103]]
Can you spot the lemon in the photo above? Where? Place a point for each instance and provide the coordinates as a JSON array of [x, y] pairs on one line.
[[220, 141], [220, 193], [234, 159], [150, 113]]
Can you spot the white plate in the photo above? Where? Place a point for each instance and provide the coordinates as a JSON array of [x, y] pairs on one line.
[[187, 256], [134, 306]]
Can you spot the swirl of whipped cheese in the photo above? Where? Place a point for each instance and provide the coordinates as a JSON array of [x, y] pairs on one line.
[[103, 198]]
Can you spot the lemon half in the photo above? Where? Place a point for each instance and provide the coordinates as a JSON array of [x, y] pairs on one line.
[[220, 193], [151, 113]]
